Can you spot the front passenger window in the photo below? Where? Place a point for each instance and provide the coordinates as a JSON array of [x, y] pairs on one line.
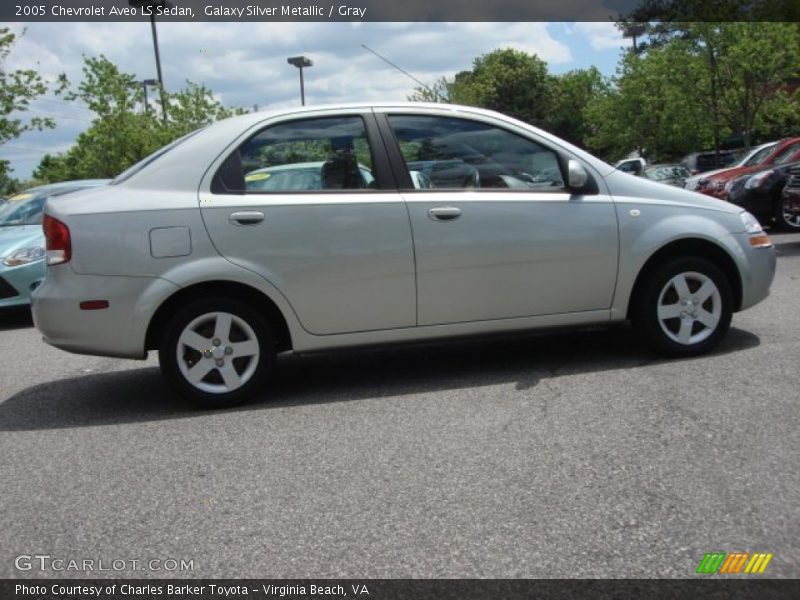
[[452, 153]]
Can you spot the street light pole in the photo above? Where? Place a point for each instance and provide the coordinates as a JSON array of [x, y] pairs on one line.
[[300, 62], [152, 4], [158, 64]]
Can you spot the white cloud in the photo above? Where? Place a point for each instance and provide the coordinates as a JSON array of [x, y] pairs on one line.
[[601, 35]]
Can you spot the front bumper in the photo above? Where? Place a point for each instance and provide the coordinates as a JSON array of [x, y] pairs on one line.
[[757, 269], [17, 283], [118, 330]]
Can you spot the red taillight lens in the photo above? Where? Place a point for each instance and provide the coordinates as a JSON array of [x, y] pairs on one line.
[[59, 245]]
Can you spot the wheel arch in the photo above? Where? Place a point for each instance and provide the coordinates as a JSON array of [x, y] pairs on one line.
[[693, 247], [222, 288]]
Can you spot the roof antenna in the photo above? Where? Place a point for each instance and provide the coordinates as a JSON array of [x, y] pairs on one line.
[[403, 71]]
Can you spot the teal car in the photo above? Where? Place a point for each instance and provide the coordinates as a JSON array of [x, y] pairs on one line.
[[22, 253]]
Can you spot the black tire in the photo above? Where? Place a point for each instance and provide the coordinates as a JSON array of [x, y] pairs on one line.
[[781, 222], [247, 325], [645, 313]]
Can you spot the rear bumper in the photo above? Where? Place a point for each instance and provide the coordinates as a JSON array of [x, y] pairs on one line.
[[118, 330]]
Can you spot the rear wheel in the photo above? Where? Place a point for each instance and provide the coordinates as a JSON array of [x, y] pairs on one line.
[[684, 308], [217, 352]]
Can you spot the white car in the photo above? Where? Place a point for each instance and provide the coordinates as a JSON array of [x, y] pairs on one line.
[[520, 230]]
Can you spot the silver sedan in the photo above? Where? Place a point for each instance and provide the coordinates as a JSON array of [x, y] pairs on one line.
[[416, 222]]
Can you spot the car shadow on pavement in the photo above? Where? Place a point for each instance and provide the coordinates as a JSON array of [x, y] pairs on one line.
[[140, 395], [15, 318]]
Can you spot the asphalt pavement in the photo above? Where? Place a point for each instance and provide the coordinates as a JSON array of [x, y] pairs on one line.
[[579, 454]]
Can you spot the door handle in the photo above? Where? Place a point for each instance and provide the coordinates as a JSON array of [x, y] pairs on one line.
[[246, 217], [444, 213]]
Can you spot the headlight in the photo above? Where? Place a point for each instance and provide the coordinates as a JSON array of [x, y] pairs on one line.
[[751, 224], [756, 180], [24, 256]]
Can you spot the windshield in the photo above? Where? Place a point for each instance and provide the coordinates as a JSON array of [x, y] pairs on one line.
[[787, 154], [22, 212], [759, 156], [660, 173]]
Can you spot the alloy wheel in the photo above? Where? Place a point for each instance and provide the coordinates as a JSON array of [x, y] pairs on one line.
[[689, 308], [218, 352], [791, 218]]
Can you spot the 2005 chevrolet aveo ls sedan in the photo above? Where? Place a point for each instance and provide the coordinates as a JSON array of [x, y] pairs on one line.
[[393, 223]]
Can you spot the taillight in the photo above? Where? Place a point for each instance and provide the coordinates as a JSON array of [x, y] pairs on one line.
[[58, 244]]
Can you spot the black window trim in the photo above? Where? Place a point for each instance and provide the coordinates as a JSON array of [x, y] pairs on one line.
[[381, 167]]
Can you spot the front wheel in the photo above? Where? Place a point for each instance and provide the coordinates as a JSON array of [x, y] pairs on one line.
[[217, 352], [786, 218], [684, 308]]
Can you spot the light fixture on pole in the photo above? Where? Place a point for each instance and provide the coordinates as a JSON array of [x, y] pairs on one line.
[[633, 30], [145, 83], [300, 62], [152, 5]]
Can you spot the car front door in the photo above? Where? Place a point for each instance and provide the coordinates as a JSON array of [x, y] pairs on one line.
[[307, 204], [497, 234]]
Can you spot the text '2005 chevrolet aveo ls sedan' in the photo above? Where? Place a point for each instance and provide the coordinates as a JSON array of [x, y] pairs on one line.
[[329, 227]]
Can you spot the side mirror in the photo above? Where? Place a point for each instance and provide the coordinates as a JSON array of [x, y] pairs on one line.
[[576, 175]]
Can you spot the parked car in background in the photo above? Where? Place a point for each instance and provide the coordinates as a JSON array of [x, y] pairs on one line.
[[790, 200], [670, 174], [179, 255], [761, 193], [754, 157], [785, 151], [634, 166], [22, 244], [700, 162]]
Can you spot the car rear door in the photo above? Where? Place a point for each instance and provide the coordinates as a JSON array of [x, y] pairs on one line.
[[504, 238], [336, 241]]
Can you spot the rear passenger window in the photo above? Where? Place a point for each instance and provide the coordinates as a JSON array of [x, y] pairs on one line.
[[306, 155], [451, 153]]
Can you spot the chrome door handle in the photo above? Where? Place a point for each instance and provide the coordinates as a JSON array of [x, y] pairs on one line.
[[246, 217], [444, 213]]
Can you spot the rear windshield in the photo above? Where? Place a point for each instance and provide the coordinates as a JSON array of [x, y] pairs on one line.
[[131, 171]]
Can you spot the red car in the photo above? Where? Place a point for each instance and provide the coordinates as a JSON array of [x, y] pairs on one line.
[[787, 150]]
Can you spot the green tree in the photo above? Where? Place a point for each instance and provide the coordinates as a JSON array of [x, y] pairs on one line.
[[648, 108], [18, 88], [438, 91], [505, 80], [571, 93], [124, 131], [694, 85], [508, 81]]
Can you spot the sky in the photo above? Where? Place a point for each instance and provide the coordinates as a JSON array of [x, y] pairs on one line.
[[245, 63]]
